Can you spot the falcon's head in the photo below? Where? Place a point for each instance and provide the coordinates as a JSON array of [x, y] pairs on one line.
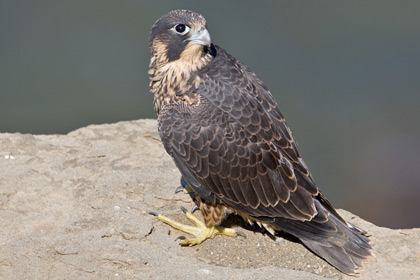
[[179, 35]]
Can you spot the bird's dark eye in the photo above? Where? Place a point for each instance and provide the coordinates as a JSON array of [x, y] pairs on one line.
[[181, 29]]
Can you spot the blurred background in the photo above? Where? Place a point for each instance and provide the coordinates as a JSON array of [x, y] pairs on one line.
[[346, 74]]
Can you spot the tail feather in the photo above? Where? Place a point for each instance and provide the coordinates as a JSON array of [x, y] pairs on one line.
[[336, 256], [348, 257], [341, 244]]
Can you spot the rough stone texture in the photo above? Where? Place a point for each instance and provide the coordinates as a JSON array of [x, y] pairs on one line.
[[76, 206]]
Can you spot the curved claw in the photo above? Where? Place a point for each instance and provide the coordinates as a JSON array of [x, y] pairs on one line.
[[240, 233], [183, 187], [179, 189], [181, 237], [154, 213], [195, 208], [184, 210]]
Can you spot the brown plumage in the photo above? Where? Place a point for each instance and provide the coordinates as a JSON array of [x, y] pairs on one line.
[[226, 134]]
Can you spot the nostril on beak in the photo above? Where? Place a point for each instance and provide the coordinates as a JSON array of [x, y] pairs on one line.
[[201, 30]]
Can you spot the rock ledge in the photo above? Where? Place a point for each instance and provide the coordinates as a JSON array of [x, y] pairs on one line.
[[75, 207]]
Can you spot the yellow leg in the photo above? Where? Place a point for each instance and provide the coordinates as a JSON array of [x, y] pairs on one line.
[[200, 230]]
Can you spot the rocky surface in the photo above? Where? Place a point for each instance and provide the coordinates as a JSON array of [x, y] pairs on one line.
[[76, 206]]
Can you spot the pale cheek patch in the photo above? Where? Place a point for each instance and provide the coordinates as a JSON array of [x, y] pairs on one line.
[[192, 54], [159, 51]]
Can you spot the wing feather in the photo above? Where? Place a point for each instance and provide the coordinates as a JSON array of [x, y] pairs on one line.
[[237, 146], [234, 148]]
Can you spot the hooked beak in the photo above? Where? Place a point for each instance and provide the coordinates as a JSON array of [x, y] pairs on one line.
[[200, 36]]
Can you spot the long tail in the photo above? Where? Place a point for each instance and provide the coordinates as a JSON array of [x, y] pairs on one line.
[[341, 244]]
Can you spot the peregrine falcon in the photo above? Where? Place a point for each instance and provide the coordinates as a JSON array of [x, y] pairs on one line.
[[225, 133]]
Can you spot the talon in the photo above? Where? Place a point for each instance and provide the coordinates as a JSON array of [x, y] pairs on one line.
[[179, 189], [184, 210], [195, 208], [186, 186], [240, 233], [181, 237], [154, 213]]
